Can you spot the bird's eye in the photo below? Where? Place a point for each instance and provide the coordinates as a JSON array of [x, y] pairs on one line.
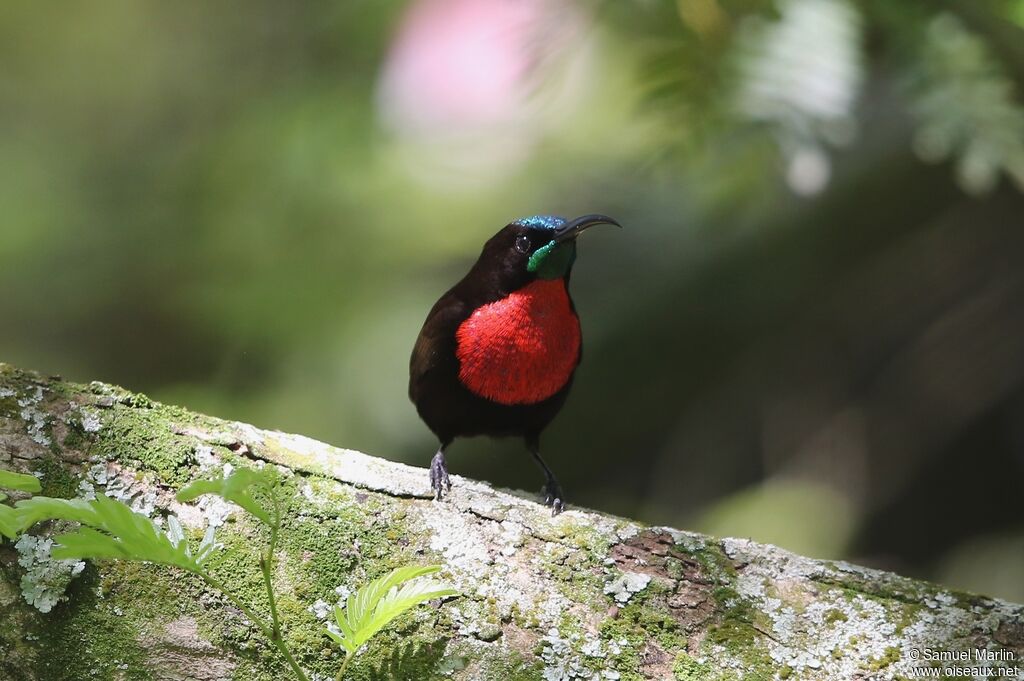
[[523, 244]]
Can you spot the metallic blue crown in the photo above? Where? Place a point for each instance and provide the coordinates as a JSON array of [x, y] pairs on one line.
[[541, 222]]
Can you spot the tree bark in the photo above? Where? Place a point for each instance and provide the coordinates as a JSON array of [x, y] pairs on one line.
[[582, 595]]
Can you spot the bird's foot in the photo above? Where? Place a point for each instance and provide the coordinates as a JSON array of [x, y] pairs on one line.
[[554, 496], [439, 481]]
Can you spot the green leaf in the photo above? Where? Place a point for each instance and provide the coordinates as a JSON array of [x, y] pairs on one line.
[[372, 607], [10, 524], [23, 483], [402, 599], [234, 488], [110, 530], [39, 509], [207, 546]]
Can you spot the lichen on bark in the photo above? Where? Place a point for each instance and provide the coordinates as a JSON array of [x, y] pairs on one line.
[[580, 596]]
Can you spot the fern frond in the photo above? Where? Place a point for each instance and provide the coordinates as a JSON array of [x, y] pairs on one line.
[[236, 488], [372, 607], [18, 481], [110, 529], [10, 524]]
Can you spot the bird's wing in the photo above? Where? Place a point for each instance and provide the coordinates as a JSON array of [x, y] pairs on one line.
[[436, 343]]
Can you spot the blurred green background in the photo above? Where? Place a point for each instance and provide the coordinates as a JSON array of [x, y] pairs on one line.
[[811, 331]]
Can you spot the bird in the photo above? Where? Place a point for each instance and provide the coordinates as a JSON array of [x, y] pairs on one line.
[[497, 353]]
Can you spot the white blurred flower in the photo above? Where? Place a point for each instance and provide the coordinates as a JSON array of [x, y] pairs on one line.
[[801, 75]]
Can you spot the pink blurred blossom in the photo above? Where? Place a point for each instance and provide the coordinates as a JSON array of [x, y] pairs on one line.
[[460, 62], [469, 86]]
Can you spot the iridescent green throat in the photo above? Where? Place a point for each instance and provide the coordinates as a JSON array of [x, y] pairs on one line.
[[553, 260]]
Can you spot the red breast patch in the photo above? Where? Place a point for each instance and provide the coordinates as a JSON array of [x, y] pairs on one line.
[[521, 349]]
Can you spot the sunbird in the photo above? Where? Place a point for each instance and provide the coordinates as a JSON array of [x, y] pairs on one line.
[[497, 353]]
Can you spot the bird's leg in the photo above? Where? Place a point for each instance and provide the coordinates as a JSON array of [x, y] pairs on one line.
[[553, 494], [439, 481]]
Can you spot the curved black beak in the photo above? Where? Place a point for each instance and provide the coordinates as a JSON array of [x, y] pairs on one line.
[[573, 228]]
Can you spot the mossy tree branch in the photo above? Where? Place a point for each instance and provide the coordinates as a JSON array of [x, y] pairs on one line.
[[580, 596]]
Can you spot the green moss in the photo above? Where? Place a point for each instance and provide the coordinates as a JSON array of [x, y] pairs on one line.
[[713, 562], [16, 655], [663, 628], [514, 667], [165, 592], [77, 438], [727, 597], [352, 540], [834, 615], [143, 438], [256, 664], [736, 610], [9, 408], [685, 668], [637, 624], [438, 660], [588, 538], [577, 574], [272, 448], [86, 638], [57, 480], [890, 588], [737, 634], [413, 660], [902, 613], [120, 395], [908, 614], [732, 635], [403, 651], [891, 655], [236, 565], [743, 644]]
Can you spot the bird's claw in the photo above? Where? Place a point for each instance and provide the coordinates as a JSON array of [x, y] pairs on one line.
[[554, 497], [439, 480]]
